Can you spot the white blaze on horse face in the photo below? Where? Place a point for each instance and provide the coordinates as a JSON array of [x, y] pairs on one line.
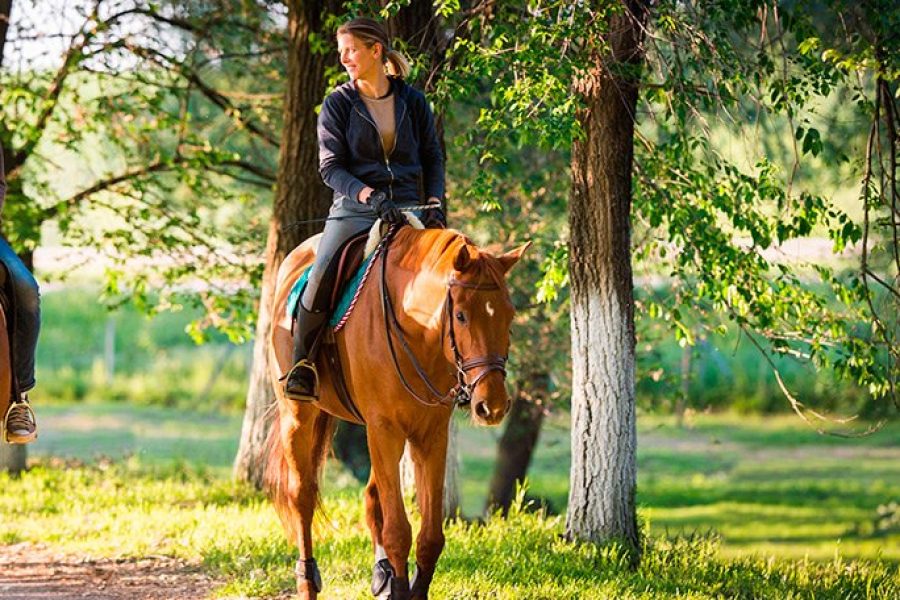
[[489, 308]]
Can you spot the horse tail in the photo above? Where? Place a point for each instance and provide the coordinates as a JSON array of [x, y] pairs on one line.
[[281, 483]]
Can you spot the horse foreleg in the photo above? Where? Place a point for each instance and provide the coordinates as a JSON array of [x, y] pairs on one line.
[[301, 438], [390, 579], [374, 518], [429, 457]]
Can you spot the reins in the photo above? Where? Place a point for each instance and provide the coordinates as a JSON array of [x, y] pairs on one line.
[[461, 393]]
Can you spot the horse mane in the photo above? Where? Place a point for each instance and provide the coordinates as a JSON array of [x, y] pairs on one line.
[[436, 250]]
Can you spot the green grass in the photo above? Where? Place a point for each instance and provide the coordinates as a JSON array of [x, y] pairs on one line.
[[734, 506], [766, 485], [156, 362], [135, 510]]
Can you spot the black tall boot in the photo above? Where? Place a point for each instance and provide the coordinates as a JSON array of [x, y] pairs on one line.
[[302, 381]]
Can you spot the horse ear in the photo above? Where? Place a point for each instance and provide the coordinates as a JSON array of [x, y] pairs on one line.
[[464, 258], [512, 257]]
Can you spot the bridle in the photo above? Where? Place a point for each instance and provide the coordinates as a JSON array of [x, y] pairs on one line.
[[461, 393]]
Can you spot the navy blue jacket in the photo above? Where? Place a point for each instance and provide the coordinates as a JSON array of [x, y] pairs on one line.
[[2, 179], [351, 155]]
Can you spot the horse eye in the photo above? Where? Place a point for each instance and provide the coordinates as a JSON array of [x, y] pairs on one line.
[[461, 317]]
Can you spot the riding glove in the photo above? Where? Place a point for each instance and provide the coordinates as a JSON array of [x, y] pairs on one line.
[[385, 207]]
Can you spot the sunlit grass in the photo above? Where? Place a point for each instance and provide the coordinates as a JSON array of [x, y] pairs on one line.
[[757, 508], [129, 509]]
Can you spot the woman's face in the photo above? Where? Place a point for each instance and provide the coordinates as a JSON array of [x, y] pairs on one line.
[[360, 61]]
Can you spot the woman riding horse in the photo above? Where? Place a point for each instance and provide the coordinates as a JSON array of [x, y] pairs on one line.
[[377, 145], [430, 328], [20, 425]]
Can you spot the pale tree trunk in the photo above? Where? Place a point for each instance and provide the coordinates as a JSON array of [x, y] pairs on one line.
[[418, 26], [13, 458], [681, 401], [604, 439], [300, 195]]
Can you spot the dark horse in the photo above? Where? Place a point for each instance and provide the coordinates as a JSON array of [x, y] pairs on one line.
[[6, 372], [453, 314]]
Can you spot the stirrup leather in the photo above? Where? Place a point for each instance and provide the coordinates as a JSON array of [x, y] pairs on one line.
[[31, 437], [308, 365]]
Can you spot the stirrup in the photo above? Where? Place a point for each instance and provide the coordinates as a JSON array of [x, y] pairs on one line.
[[11, 438], [302, 364]]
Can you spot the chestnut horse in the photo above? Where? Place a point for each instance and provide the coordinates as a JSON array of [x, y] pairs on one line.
[[453, 314]]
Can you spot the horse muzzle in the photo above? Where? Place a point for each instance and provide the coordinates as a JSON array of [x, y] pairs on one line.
[[490, 400]]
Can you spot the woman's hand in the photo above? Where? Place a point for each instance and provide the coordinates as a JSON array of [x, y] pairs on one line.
[[363, 196], [386, 209]]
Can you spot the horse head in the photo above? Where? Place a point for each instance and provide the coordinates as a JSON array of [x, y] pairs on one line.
[[479, 313]]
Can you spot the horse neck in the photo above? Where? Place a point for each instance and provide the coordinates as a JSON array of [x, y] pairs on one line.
[[417, 284]]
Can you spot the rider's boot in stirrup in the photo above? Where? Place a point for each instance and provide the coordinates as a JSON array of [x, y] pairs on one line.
[[19, 423], [302, 381]]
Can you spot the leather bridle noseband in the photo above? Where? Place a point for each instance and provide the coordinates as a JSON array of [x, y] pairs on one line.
[[461, 393]]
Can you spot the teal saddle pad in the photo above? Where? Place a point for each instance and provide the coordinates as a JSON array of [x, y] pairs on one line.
[[345, 299]]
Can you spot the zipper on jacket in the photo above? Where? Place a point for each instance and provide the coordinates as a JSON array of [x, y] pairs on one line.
[[387, 159]]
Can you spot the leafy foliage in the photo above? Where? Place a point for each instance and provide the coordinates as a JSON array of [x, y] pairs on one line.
[[166, 118], [711, 223]]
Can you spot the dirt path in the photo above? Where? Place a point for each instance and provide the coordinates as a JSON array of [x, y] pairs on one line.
[[34, 572]]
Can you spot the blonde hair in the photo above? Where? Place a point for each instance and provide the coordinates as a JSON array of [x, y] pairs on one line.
[[370, 32]]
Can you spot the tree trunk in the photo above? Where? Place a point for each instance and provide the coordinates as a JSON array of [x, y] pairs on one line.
[[300, 195], [517, 444], [681, 401], [13, 458], [604, 439], [5, 13]]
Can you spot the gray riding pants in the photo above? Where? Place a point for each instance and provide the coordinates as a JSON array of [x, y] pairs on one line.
[[353, 218]]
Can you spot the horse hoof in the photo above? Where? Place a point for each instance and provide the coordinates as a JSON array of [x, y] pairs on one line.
[[421, 581], [386, 585], [399, 588], [306, 591], [309, 580]]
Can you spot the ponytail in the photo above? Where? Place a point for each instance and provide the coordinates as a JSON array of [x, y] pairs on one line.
[[396, 64], [372, 32]]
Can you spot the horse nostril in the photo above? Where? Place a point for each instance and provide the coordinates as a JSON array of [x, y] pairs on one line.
[[482, 410]]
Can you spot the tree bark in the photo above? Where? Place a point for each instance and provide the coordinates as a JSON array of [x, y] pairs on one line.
[[299, 195], [517, 444], [5, 14], [13, 458], [601, 503]]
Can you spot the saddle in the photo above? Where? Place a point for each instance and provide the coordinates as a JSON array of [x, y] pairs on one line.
[[349, 263]]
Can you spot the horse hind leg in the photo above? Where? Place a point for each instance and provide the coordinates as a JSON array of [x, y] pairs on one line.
[[302, 438]]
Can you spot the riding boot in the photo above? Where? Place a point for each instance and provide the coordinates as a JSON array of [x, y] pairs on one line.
[[302, 381]]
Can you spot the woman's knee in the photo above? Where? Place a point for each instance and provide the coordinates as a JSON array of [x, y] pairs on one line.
[[28, 292]]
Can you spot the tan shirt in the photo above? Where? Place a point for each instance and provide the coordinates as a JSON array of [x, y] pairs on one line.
[[382, 111]]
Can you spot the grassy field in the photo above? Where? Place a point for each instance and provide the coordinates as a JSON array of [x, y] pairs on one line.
[[736, 507], [156, 363]]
